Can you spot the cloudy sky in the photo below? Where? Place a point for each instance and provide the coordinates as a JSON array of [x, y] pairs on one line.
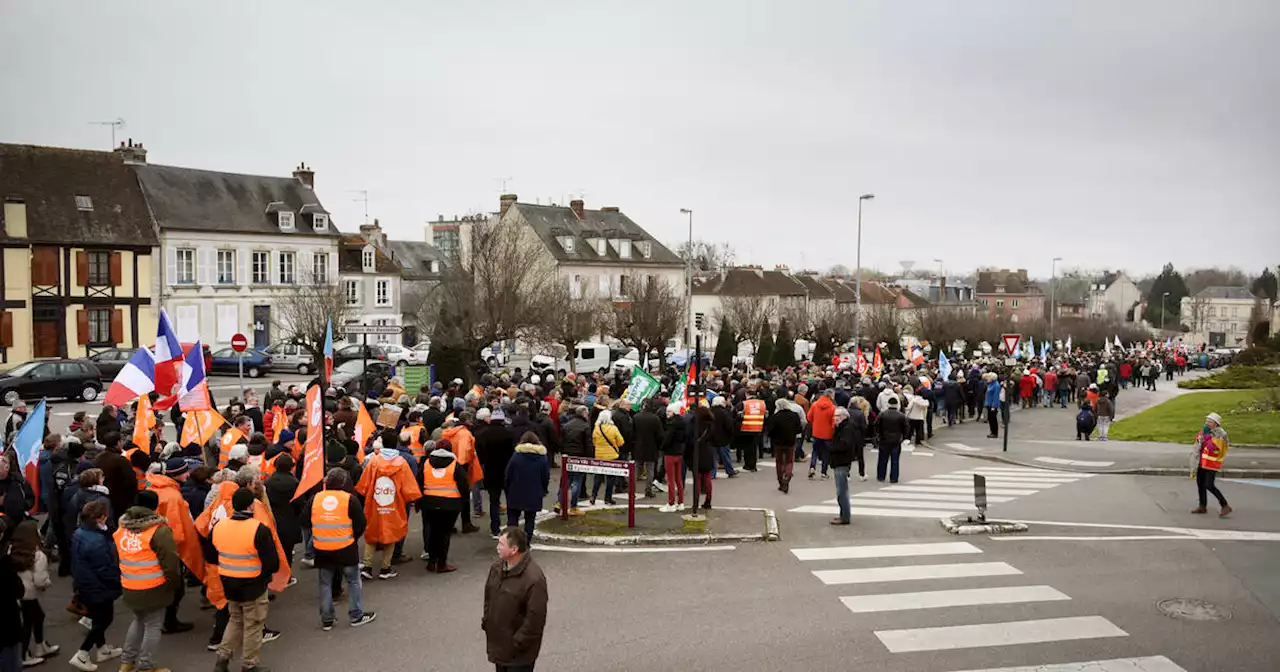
[[1112, 134]]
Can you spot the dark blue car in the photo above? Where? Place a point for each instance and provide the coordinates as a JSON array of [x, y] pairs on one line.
[[256, 362]]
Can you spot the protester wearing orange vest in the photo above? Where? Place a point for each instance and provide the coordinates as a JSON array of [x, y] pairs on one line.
[[150, 574], [388, 487], [464, 449], [752, 429], [246, 554], [444, 486], [168, 488], [1212, 445], [336, 520]]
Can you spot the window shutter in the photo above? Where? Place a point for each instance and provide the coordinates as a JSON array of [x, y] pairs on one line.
[[82, 268], [82, 326], [6, 329], [333, 267], [246, 267], [44, 265], [117, 326], [302, 268], [204, 268], [170, 265], [115, 272]]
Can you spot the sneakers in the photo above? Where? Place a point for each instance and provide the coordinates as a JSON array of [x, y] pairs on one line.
[[862, 478], [367, 574], [86, 622], [364, 620], [811, 473], [326, 625], [388, 574], [293, 581], [44, 649], [1199, 509], [30, 660], [662, 487], [424, 556], [81, 661], [666, 508], [826, 476], [108, 652], [310, 562], [1226, 511], [213, 646], [269, 635]]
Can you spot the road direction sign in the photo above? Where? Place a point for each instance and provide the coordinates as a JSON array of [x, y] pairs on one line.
[[372, 329], [239, 343], [1010, 342]]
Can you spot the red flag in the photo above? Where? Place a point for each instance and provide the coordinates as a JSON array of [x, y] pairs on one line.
[[313, 458], [877, 364], [860, 362]]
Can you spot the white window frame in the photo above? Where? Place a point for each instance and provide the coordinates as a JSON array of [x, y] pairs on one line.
[[999, 303], [646, 248], [263, 277], [84, 203], [351, 289], [367, 259], [1014, 304], [320, 221], [382, 293], [624, 248], [285, 217], [382, 338], [435, 266], [291, 276], [568, 243], [189, 278], [601, 246], [320, 267], [231, 266], [1013, 318], [575, 286]]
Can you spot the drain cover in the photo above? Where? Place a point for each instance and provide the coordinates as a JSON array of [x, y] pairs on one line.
[[1189, 609]]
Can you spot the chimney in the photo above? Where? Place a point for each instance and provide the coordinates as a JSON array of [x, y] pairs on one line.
[[305, 175], [942, 289], [131, 153], [577, 207], [505, 202]]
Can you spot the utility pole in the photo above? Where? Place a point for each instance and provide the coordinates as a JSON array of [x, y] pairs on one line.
[[857, 276]]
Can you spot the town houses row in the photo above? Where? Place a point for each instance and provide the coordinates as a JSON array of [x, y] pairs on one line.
[[95, 242]]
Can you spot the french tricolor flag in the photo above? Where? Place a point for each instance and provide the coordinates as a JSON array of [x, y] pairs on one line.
[[148, 371], [168, 366], [193, 395], [138, 377]]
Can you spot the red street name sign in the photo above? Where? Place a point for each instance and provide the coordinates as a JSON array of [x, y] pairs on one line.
[[239, 343], [1011, 342]]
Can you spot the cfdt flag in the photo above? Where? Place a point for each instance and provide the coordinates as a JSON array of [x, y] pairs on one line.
[[27, 446], [313, 458], [193, 394]]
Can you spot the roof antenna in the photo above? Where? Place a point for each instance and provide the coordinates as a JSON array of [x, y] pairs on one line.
[[504, 181], [117, 123], [364, 197]]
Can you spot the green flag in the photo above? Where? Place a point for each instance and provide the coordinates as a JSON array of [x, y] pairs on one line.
[[642, 387]]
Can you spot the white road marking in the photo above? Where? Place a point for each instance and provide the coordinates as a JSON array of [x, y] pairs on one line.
[[1031, 473], [765, 463], [955, 490], [1143, 664], [884, 551], [1073, 463], [968, 478], [646, 549], [967, 449], [1025, 470], [998, 634], [991, 486], [1160, 537], [888, 494], [906, 503], [865, 604], [872, 512], [833, 577], [922, 453]]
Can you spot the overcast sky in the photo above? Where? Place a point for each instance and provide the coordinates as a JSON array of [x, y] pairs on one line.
[[1112, 134]]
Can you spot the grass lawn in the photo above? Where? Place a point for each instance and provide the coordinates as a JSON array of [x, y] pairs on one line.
[[1178, 420]]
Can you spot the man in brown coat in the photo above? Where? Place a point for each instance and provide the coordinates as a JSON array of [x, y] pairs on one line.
[[117, 472], [515, 605]]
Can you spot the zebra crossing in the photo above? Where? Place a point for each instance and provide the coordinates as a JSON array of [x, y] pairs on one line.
[[945, 495], [872, 580]]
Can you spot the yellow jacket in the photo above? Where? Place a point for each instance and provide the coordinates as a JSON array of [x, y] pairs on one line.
[[607, 440]]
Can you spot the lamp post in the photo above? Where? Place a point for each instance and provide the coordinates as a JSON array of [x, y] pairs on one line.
[[688, 297], [1053, 299], [1162, 298], [857, 282], [942, 298]]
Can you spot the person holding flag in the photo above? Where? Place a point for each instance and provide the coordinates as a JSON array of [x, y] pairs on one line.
[[19, 493], [388, 486]]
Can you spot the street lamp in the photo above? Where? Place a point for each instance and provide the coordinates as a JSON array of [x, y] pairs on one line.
[[942, 298], [1162, 298], [857, 283], [1053, 298], [688, 297]]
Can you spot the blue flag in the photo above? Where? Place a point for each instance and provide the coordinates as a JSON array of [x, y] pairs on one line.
[[944, 367], [30, 437]]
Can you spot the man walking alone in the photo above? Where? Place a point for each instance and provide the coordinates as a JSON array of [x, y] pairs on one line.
[[515, 605], [892, 430], [1212, 445]]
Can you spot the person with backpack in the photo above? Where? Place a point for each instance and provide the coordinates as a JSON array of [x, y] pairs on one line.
[[1085, 422]]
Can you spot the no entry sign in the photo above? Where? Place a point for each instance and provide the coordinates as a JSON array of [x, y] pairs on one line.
[[239, 343]]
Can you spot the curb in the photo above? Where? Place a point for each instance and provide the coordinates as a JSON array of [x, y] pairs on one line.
[[1132, 471], [770, 533]]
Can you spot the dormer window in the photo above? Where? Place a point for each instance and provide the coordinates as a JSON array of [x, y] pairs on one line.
[[624, 248], [320, 222], [286, 220], [646, 248], [367, 259], [435, 266], [84, 202], [600, 244], [568, 243]]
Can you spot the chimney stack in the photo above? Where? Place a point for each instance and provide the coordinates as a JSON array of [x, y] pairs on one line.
[[305, 175], [577, 206], [132, 153], [505, 202], [942, 289]]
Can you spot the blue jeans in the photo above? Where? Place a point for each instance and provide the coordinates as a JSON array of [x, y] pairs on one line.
[[725, 460], [607, 482], [477, 498], [308, 544], [355, 608], [513, 519], [821, 449], [888, 458], [577, 483], [842, 492]]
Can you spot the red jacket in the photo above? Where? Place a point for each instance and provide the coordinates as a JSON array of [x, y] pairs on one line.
[[822, 417], [1028, 385], [1126, 370]]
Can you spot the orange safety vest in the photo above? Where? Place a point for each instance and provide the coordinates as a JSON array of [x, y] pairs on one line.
[[128, 455], [753, 416], [1212, 452], [237, 554], [330, 520], [440, 482], [139, 567], [415, 441]]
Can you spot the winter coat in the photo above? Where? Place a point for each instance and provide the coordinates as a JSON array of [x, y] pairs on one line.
[[607, 441], [647, 427], [1086, 420], [10, 614], [441, 459], [675, 439], [288, 511], [74, 500], [993, 395], [120, 479], [1106, 408], [195, 494], [892, 427], [249, 589], [849, 439], [95, 569], [494, 445], [784, 428], [515, 612], [139, 519], [36, 579], [348, 556], [527, 477], [705, 450], [721, 426], [18, 496], [177, 515], [432, 419], [951, 394], [821, 417], [917, 407], [388, 520], [576, 437]]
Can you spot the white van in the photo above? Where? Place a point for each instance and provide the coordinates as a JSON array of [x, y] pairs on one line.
[[588, 357]]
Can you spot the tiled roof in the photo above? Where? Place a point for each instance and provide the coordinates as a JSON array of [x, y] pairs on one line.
[[1226, 293], [748, 282], [351, 258], [48, 179], [415, 258], [1013, 282], [816, 289], [553, 221]]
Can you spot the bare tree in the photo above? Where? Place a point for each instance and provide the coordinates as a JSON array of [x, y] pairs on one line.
[[839, 271], [572, 315], [830, 326], [1196, 317], [651, 315], [882, 324], [707, 256], [500, 290], [302, 312], [746, 316]]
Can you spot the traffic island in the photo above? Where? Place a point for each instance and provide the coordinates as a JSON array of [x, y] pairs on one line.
[[969, 524], [607, 526]]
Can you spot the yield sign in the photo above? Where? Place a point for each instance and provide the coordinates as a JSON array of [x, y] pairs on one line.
[[1010, 342]]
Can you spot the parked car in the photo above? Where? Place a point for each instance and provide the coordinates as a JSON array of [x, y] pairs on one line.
[[356, 351], [401, 356], [226, 360], [66, 378], [292, 357], [109, 362], [355, 375]]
